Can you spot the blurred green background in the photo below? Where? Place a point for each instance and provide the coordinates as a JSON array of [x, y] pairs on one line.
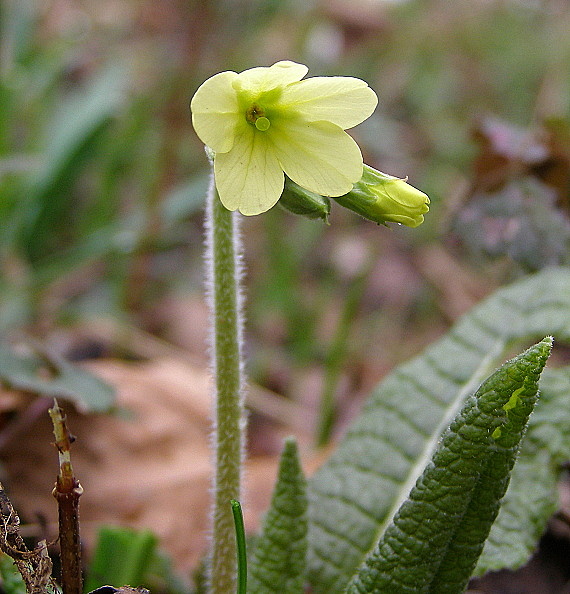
[[102, 178]]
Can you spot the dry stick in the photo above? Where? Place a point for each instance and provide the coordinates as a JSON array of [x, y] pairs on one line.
[[34, 566], [67, 492]]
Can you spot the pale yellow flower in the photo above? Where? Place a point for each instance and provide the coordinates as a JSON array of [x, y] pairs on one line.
[[266, 121]]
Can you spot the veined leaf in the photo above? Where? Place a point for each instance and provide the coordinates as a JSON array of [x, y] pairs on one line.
[[279, 559], [532, 495], [355, 495], [437, 535]]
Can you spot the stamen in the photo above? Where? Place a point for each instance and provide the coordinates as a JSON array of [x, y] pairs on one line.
[[256, 115]]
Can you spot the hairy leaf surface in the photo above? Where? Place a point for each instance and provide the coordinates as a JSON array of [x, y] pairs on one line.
[[279, 559], [354, 496], [437, 535], [532, 495]]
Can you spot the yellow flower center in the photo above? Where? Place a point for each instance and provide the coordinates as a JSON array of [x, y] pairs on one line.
[[256, 115]]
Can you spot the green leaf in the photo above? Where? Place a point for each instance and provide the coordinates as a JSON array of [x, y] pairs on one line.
[[71, 140], [532, 496], [241, 547], [46, 374], [530, 500], [438, 533], [278, 562], [11, 580], [17, 25], [354, 496], [121, 557], [549, 426]]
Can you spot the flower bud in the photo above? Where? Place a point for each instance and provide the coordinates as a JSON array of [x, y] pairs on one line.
[[383, 198], [302, 202]]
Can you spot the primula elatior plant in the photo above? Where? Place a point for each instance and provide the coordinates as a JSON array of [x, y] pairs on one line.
[[273, 137]]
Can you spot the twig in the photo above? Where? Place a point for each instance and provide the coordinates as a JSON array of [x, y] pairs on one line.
[[67, 492], [34, 566]]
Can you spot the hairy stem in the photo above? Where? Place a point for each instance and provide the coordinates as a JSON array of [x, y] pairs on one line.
[[223, 272]]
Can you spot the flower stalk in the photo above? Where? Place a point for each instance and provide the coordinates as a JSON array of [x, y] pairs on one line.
[[223, 273]]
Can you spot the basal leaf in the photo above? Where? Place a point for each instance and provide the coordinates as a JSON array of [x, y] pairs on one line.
[[529, 502], [532, 496], [279, 559], [549, 426], [354, 496], [438, 533]]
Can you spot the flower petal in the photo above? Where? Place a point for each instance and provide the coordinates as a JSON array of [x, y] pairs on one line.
[[342, 100], [319, 156], [249, 177], [266, 78], [215, 112]]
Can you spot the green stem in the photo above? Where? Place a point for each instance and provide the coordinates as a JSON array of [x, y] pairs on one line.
[[223, 272]]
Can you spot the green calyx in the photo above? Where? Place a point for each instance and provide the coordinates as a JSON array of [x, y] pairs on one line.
[[386, 199], [299, 201], [377, 196]]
